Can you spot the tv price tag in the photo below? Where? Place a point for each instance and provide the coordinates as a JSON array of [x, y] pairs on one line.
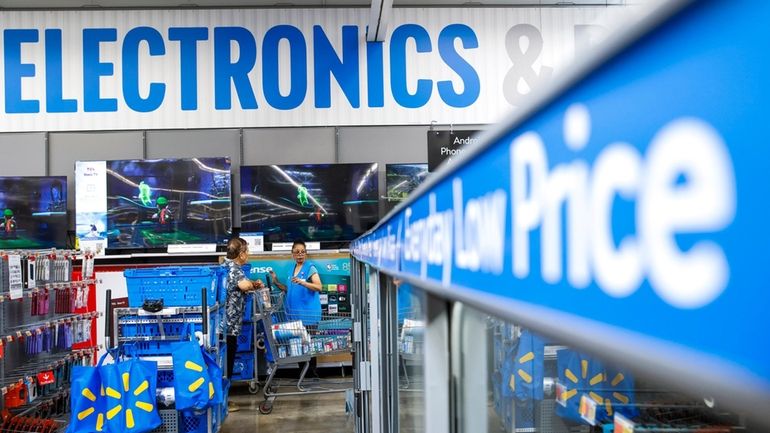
[[587, 409], [256, 242], [191, 248], [561, 394], [621, 424], [15, 280]]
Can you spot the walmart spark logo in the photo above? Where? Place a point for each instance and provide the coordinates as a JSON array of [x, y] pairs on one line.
[[111, 393], [189, 365], [524, 360], [596, 380]]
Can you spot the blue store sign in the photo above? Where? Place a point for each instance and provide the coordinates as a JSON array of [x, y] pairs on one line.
[[633, 206]]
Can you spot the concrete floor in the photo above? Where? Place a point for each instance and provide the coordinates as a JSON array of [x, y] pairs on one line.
[[301, 414]]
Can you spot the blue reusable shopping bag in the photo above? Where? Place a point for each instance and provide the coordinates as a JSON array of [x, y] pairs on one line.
[[87, 402], [194, 388], [528, 367], [217, 381], [129, 395], [580, 375], [620, 393]]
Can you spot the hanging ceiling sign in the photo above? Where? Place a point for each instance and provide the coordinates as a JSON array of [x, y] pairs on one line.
[[447, 145], [629, 211]]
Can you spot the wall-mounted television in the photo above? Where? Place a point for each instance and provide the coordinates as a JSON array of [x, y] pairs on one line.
[[34, 212], [328, 203], [146, 205], [400, 180]]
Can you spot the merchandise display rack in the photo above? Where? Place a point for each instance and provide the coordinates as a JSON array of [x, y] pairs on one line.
[[47, 326], [155, 334]]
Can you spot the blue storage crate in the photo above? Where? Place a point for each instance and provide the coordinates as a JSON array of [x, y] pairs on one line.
[[246, 338], [248, 307], [165, 378], [177, 286], [243, 369], [192, 423], [221, 272], [170, 329]]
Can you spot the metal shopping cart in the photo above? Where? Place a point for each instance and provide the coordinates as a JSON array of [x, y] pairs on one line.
[[295, 337], [411, 330]]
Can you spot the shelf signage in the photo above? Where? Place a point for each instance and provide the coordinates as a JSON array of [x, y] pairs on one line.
[[632, 206]]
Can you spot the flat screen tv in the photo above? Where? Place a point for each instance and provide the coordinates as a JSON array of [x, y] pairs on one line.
[[400, 180], [34, 212], [146, 205], [328, 203]]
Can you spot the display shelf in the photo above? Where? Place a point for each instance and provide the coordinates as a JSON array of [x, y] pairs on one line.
[[19, 331], [49, 328], [46, 363], [168, 311]]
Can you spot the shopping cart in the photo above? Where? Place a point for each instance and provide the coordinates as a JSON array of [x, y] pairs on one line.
[[295, 337], [411, 330]]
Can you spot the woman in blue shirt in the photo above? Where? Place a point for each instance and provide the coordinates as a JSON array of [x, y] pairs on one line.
[[303, 287]]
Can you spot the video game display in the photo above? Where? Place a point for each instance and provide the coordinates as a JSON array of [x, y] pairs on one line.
[[34, 212], [321, 202], [150, 204], [402, 179]]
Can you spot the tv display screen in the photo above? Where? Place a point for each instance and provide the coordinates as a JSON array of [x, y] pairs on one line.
[[150, 204], [402, 179], [34, 212], [321, 202]]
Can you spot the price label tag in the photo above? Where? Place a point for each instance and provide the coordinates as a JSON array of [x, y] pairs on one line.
[[621, 424], [88, 266], [47, 268], [561, 394], [31, 271], [587, 409], [15, 280]]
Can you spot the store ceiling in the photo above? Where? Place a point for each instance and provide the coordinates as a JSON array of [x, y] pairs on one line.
[[55, 4]]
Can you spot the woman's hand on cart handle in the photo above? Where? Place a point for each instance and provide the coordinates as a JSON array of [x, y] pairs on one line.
[[274, 277], [257, 284]]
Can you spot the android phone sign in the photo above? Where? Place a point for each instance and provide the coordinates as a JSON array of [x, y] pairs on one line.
[[150, 204]]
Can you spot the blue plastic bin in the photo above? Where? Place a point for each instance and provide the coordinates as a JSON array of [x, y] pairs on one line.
[[191, 423], [165, 378], [177, 286], [248, 307], [245, 338], [169, 330], [244, 366]]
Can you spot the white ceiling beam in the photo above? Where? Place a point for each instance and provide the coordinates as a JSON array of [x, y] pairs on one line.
[[380, 12]]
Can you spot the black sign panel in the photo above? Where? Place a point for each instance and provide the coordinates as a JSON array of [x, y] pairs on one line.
[[445, 145]]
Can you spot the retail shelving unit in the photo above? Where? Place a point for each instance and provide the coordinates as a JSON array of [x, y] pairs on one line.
[[47, 326]]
